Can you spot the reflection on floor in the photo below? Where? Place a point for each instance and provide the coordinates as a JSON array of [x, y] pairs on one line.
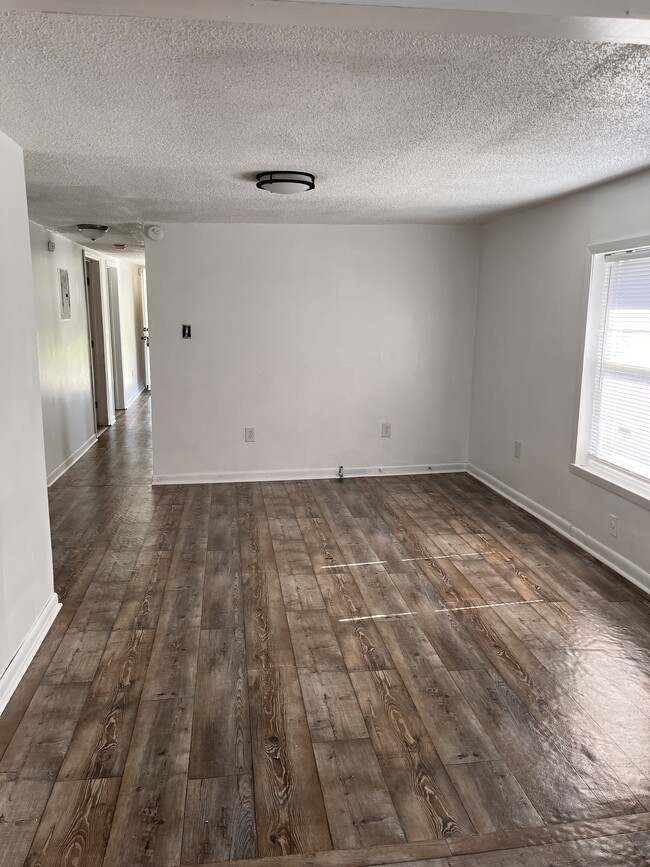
[[380, 670]]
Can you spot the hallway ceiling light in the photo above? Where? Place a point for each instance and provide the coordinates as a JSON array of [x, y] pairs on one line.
[[92, 231], [286, 182]]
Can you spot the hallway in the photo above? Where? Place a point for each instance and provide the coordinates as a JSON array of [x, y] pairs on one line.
[[383, 671]]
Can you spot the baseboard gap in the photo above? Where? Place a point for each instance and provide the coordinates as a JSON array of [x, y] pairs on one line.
[[210, 478]]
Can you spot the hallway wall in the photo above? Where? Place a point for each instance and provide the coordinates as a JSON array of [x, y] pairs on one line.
[[63, 346], [63, 350], [27, 599]]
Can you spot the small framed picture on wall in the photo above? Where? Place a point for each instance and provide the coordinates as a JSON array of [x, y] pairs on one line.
[[64, 286]]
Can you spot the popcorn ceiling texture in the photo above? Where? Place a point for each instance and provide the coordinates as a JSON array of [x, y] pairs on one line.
[[126, 120]]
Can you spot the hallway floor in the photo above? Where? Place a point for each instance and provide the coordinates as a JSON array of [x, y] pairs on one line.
[[395, 670]]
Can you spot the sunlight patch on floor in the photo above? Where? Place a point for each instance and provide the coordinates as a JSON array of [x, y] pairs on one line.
[[441, 610]]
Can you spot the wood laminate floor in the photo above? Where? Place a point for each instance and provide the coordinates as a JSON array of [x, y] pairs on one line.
[[381, 671]]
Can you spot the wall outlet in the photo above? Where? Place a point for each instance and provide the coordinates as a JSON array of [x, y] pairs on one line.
[[517, 449], [386, 429], [613, 525], [249, 434]]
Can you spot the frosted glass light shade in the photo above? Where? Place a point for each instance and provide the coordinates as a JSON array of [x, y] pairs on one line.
[[92, 231], [285, 182]]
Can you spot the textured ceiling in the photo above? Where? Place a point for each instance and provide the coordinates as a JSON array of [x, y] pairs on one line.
[[126, 120]]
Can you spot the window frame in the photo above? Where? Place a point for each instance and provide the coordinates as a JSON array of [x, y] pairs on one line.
[[618, 481]]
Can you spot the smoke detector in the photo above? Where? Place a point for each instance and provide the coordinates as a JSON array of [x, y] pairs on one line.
[[155, 233]]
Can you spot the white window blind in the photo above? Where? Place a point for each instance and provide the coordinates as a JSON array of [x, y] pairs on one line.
[[619, 433]]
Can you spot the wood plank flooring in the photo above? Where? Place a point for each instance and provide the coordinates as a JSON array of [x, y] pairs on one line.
[[404, 670]]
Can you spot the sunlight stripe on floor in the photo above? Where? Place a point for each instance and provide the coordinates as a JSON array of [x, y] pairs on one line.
[[440, 557], [440, 610]]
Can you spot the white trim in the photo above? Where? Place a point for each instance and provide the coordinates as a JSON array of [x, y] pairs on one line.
[[635, 574], [620, 245], [619, 485], [586, 465], [115, 328], [14, 672], [68, 462], [292, 475], [135, 397], [628, 255]]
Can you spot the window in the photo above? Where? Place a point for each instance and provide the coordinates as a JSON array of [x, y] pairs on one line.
[[613, 445]]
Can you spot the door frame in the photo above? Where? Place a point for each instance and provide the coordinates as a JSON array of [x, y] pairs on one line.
[[99, 332], [142, 271], [113, 292]]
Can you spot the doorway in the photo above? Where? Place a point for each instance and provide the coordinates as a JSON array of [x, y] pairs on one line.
[[100, 349], [116, 341], [145, 329]]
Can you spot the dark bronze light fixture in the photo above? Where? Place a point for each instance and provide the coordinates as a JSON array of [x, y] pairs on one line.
[[286, 182]]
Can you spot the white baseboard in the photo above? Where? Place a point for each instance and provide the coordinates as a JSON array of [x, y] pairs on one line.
[[135, 397], [292, 475], [629, 570], [68, 462], [14, 672]]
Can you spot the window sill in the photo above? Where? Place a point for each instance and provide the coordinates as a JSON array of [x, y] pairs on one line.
[[635, 492]]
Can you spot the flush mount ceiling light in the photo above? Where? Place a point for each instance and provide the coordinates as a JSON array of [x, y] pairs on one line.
[[92, 231], [285, 182]]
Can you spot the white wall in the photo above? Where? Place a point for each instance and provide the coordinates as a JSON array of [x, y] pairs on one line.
[[27, 600], [314, 335], [63, 349], [534, 280]]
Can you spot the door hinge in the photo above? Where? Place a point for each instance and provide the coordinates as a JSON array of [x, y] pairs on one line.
[[92, 344], [96, 405]]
